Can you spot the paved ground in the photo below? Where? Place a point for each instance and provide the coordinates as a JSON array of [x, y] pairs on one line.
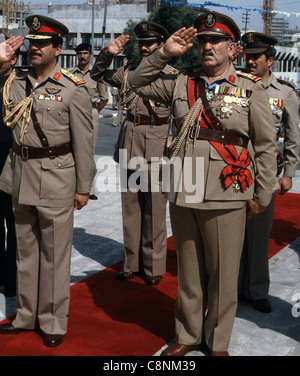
[[98, 244]]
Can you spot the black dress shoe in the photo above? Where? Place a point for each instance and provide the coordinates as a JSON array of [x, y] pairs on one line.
[[93, 197], [262, 305], [123, 276], [152, 280], [8, 328], [53, 340]]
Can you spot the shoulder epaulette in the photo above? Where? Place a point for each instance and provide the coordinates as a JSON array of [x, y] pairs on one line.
[[288, 83], [173, 70], [75, 79], [248, 75]]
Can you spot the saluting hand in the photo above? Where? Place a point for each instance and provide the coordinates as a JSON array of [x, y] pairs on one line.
[[179, 42], [116, 46], [8, 48]]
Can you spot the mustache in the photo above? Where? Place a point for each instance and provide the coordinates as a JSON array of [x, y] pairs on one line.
[[35, 54], [207, 53]]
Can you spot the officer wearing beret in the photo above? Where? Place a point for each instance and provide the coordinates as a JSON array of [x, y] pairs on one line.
[[254, 275], [142, 135], [49, 173], [216, 112], [84, 54]]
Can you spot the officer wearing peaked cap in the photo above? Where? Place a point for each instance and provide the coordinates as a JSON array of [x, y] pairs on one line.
[[150, 31], [42, 27], [210, 109], [256, 43], [218, 24], [142, 135], [254, 278], [49, 173], [97, 91]]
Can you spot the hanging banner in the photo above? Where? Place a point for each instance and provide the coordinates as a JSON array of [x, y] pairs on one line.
[[230, 7]]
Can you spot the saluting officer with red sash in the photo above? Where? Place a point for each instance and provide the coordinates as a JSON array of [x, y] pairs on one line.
[[217, 113]]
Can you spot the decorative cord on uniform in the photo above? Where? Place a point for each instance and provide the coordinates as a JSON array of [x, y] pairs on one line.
[[174, 144], [132, 98], [13, 113]]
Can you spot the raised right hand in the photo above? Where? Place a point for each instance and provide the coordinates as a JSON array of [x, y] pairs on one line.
[[179, 42], [116, 46], [8, 48]]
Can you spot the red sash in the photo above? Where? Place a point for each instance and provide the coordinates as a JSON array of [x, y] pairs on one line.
[[236, 171]]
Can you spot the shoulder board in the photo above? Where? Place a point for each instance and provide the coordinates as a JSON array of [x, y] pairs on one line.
[[74, 78], [248, 75], [288, 83], [173, 70]]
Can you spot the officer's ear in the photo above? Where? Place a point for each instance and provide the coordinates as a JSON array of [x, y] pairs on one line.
[[231, 51], [58, 49], [270, 61]]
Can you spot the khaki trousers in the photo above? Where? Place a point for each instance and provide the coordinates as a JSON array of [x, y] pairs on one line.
[[144, 232], [209, 245], [254, 279], [44, 246]]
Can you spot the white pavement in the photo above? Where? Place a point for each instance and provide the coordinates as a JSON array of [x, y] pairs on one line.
[[98, 244]]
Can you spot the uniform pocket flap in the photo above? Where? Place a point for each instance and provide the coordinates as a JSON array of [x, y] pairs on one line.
[[156, 133], [64, 161]]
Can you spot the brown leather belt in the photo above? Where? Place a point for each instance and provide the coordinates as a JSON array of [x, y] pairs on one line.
[[29, 152], [147, 120], [225, 138]]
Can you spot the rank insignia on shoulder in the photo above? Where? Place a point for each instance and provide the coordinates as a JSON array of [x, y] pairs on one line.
[[174, 70], [248, 75], [75, 79], [288, 83]]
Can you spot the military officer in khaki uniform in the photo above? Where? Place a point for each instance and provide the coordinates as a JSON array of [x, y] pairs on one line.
[[143, 135], [216, 111], [254, 274], [84, 54], [49, 173]]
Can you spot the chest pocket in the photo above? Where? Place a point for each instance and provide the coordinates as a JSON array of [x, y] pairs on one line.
[[51, 106]]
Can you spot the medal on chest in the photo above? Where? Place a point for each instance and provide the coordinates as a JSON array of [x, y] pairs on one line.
[[276, 106], [228, 95]]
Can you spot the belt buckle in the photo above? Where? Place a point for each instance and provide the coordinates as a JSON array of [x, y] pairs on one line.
[[137, 122], [24, 152]]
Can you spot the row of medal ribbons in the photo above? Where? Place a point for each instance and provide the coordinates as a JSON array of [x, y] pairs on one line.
[[229, 94], [276, 106]]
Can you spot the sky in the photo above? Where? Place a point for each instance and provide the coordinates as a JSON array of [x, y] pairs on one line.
[[254, 17]]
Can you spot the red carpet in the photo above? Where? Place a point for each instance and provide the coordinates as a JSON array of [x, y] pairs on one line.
[[112, 318]]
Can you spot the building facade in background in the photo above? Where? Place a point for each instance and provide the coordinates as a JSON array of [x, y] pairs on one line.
[[99, 22]]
